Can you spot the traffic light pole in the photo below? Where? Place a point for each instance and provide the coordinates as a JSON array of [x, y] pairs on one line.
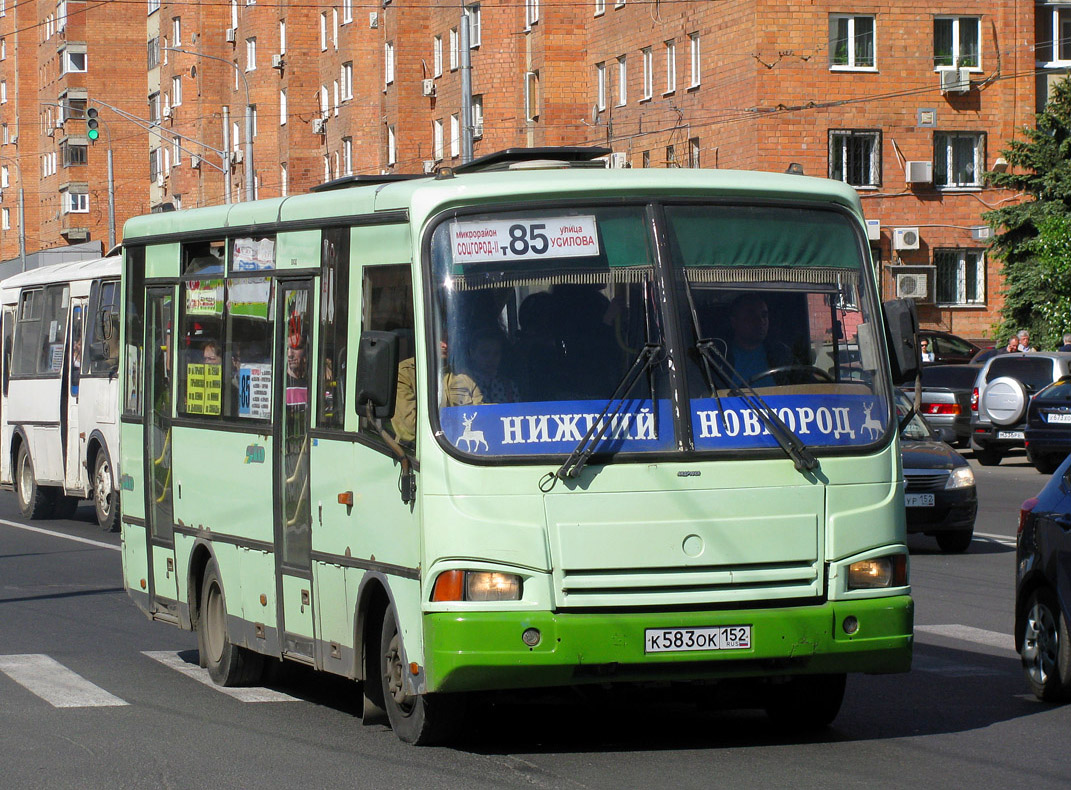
[[92, 119]]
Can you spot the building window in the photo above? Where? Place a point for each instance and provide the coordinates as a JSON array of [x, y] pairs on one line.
[[851, 41], [531, 95], [648, 65], [957, 42], [325, 108], [531, 12], [176, 32], [1053, 33], [154, 5], [959, 159], [622, 82], [6, 215], [693, 152], [327, 168], [347, 81], [334, 28], [284, 183], [176, 151], [73, 156], [282, 36], [388, 63], [474, 25], [176, 91], [61, 16], [347, 155], [3, 91], [600, 86], [960, 277], [392, 146], [347, 11], [251, 54], [75, 203], [855, 157], [337, 93], [455, 135], [671, 66], [4, 177], [693, 42], [3, 49], [671, 156], [454, 49], [323, 32], [152, 53], [437, 139], [437, 56], [477, 115], [282, 107], [600, 7], [154, 108], [75, 62]]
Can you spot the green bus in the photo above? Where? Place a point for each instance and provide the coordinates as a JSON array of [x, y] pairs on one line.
[[528, 422]]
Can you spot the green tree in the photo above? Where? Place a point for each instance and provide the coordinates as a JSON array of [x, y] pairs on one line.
[[1033, 237]]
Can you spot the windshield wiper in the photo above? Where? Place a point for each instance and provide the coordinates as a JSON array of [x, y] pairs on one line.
[[585, 448]]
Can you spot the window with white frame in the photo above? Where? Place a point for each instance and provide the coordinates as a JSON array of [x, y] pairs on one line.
[[327, 168], [474, 25], [5, 135], [347, 156], [234, 14], [648, 78], [334, 28], [325, 108], [61, 16], [696, 60], [347, 11], [176, 90], [323, 31], [693, 152], [346, 78], [455, 135], [282, 36], [154, 6], [176, 151], [477, 115], [154, 107], [388, 63], [176, 31], [531, 95], [282, 106], [334, 106], [251, 54], [600, 86], [437, 56], [855, 157], [851, 42], [284, 179], [75, 203], [437, 139], [958, 159], [600, 7], [152, 53], [253, 118], [1053, 34], [392, 146], [531, 12], [3, 49], [619, 3], [335, 172], [454, 49], [957, 42], [4, 177], [671, 66], [236, 137], [74, 62], [5, 214], [622, 82], [960, 276], [3, 91]]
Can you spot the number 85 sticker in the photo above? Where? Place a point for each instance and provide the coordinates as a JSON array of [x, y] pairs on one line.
[[485, 241]]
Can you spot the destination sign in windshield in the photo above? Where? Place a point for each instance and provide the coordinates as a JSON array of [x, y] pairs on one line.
[[490, 240]]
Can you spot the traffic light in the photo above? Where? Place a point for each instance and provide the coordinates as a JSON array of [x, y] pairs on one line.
[[91, 123]]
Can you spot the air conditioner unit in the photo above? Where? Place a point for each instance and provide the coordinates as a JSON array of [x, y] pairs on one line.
[[319, 125], [237, 157], [277, 61], [230, 35], [618, 159], [955, 80], [195, 161], [429, 165], [905, 238], [873, 230], [427, 87], [912, 285], [919, 172]]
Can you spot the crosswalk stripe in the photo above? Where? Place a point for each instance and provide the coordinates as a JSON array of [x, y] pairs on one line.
[[966, 633], [1007, 540], [54, 683], [241, 693]]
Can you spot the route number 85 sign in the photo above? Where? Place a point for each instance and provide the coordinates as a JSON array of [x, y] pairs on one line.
[[485, 241]]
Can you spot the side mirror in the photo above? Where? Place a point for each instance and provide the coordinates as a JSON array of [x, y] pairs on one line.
[[901, 329], [377, 373]]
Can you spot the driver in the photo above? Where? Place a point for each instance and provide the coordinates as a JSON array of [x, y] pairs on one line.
[[750, 351]]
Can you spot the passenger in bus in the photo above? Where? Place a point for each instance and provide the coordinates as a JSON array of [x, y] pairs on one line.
[[483, 361], [750, 351], [455, 389], [210, 353]]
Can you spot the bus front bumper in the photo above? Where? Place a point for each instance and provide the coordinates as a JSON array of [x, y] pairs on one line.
[[471, 651]]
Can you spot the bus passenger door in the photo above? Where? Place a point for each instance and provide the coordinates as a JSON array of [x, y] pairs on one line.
[[160, 314], [293, 513], [74, 439]]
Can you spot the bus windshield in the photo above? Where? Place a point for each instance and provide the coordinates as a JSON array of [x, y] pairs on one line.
[[539, 315]]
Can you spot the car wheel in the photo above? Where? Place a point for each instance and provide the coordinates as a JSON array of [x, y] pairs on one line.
[[65, 506], [1046, 464], [1046, 650], [105, 498], [955, 542], [34, 501], [228, 664], [987, 456], [806, 702]]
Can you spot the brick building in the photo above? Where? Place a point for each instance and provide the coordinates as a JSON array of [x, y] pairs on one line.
[[910, 102]]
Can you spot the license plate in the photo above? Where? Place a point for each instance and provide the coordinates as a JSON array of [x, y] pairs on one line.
[[719, 637], [1059, 418], [918, 500], [1010, 435]]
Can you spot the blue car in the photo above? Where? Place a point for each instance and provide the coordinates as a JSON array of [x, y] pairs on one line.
[[1043, 588]]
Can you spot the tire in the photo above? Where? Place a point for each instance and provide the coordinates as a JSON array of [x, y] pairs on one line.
[[987, 457], [806, 702], [227, 663], [1046, 650], [955, 542], [420, 719], [65, 506], [34, 501], [1047, 464], [105, 498]]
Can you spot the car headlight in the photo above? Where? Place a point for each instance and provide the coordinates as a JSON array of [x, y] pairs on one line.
[[477, 586], [961, 477], [878, 572]]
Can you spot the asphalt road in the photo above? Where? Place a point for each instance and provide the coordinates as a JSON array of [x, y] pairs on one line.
[[127, 717]]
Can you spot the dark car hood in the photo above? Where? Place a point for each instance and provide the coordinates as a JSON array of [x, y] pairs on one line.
[[928, 454]]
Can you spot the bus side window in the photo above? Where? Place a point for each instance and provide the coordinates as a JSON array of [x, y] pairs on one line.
[[387, 305], [101, 343], [334, 301], [9, 330]]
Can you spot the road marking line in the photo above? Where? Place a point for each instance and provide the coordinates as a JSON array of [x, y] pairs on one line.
[[54, 683], [966, 633], [75, 538], [242, 693], [1007, 540]]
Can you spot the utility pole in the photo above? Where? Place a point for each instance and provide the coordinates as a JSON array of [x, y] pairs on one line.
[[466, 89]]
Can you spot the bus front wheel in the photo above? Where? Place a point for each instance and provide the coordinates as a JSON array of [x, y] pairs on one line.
[[806, 702], [228, 664], [34, 501], [105, 499], [419, 719]]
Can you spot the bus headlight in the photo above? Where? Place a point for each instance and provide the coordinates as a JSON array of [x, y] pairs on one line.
[[477, 586], [879, 572], [960, 478]]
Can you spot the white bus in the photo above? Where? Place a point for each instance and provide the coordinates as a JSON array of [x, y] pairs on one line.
[[59, 371]]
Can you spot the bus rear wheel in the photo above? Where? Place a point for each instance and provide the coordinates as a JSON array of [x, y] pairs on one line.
[[806, 702], [419, 719], [105, 499], [34, 501], [228, 664]]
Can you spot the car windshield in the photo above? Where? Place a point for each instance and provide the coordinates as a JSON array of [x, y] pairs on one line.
[[539, 315]]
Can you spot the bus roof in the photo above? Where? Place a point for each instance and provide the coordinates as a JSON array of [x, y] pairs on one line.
[[66, 271], [424, 196]]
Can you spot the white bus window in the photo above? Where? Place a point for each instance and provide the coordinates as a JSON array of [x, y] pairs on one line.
[[41, 332], [100, 354]]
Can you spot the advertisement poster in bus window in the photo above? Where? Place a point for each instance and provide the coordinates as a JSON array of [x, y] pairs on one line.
[[254, 391], [253, 255], [204, 388], [204, 297]]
